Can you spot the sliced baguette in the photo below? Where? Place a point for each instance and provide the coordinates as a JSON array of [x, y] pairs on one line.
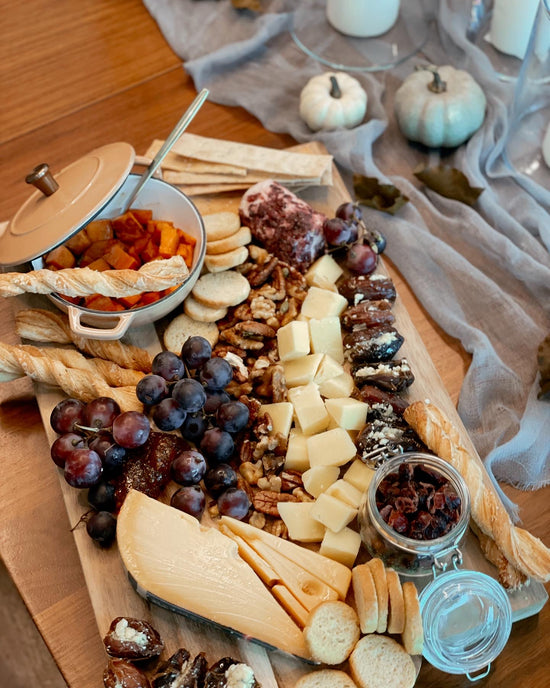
[[326, 678], [413, 633], [226, 261], [331, 632], [202, 313], [366, 601], [221, 290], [396, 604], [221, 225], [378, 661], [378, 571], [182, 327], [240, 238]]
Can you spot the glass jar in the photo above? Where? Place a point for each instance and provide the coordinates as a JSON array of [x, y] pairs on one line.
[[407, 555]]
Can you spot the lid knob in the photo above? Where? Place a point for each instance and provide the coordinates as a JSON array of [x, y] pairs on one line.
[[42, 178]]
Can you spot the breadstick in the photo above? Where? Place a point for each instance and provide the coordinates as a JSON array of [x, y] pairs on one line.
[[153, 276], [524, 551], [81, 384], [509, 577], [46, 326]]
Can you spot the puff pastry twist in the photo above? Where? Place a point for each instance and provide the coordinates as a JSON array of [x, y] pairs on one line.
[[521, 549], [153, 276], [82, 384], [40, 325]]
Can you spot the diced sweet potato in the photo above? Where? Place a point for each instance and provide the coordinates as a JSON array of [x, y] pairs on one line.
[[100, 264], [186, 251], [148, 297], [128, 301], [186, 238], [60, 258], [72, 299], [99, 230], [142, 215], [78, 243], [119, 259], [169, 241], [155, 229], [96, 250], [102, 303], [128, 228], [150, 252]]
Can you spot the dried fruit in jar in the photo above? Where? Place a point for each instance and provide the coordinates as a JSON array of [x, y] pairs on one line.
[[133, 639]]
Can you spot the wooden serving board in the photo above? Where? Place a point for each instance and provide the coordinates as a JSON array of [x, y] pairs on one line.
[[110, 591]]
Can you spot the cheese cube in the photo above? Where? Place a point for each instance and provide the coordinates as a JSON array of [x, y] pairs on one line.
[[309, 408], [330, 448], [326, 337], [323, 283], [340, 386], [293, 340], [301, 526], [328, 368], [317, 479], [331, 512], [359, 475], [342, 546], [281, 415], [324, 268], [321, 303], [296, 458], [345, 492], [350, 414], [300, 371]]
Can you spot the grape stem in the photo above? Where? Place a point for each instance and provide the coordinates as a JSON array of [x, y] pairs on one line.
[[82, 519]]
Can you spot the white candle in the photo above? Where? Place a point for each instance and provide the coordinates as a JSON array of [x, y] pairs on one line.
[[511, 25], [362, 18]]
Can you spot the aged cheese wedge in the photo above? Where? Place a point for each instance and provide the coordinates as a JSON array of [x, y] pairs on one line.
[[332, 573], [299, 613], [339, 386], [345, 492], [293, 340], [349, 413], [253, 559], [332, 513], [301, 526], [331, 448], [173, 559], [280, 413]]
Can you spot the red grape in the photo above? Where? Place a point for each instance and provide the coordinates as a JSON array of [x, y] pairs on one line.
[[101, 527], [66, 414], [100, 413], [151, 389], [190, 499], [217, 445], [188, 468], [168, 415], [168, 365], [64, 446], [220, 478], [216, 373], [337, 231], [196, 351], [189, 394], [361, 259], [234, 502], [194, 427], [83, 468], [131, 429], [232, 416], [111, 453], [214, 399], [349, 212]]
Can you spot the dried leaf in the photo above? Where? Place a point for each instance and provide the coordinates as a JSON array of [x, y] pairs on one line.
[[252, 5], [543, 360], [370, 192], [449, 182]]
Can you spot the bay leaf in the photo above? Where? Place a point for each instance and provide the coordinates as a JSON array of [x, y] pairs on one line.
[[371, 192], [543, 361], [449, 182]]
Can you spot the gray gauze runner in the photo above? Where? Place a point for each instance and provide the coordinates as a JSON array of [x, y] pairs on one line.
[[482, 273]]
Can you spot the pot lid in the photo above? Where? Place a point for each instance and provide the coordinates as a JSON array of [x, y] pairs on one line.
[[61, 206], [467, 619]]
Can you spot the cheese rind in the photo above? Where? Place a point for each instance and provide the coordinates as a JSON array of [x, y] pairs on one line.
[[197, 569], [331, 448], [326, 337], [293, 340]]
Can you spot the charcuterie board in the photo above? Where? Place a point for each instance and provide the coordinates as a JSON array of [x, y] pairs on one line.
[[111, 592]]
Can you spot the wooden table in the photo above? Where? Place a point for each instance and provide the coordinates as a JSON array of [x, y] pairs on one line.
[[75, 76]]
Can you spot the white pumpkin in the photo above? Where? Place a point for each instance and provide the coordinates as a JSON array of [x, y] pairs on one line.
[[331, 101], [440, 107]]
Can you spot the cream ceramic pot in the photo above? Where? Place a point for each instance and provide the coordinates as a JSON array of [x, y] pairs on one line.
[[34, 232]]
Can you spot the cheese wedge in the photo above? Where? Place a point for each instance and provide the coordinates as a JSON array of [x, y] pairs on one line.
[[187, 567], [331, 572], [252, 558], [299, 613]]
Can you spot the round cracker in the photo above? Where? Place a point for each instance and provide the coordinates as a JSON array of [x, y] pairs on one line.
[[182, 327], [202, 313], [221, 225], [326, 678], [240, 238], [221, 289], [226, 261], [378, 661]]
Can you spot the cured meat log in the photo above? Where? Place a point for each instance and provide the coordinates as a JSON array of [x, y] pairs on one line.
[[284, 224]]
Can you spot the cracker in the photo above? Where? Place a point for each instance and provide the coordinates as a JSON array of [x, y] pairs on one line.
[[221, 289], [331, 632], [221, 225], [180, 163], [413, 634], [202, 313], [366, 601], [226, 261], [378, 571], [240, 238], [182, 327], [381, 662], [396, 604]]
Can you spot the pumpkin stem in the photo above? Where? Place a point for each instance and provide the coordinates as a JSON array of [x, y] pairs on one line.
[[437, 85], [335, 91]]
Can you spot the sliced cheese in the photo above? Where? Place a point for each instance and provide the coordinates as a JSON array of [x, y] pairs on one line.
[[281, 413], [301, 526], [296, 458], [345, 492], [321, 303], [301, 371], [324, 268], [332, 513], [293, 340], [318, 478], [332, 573], [297, 611], [339, 386], [343, 546], [192, 568], [328, 368], [252, 558], [309, 408], [331, 448], [359, 475], [326, 337], [350, 414]]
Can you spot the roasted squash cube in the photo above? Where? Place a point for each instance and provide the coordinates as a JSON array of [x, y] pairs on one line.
[[148, 297], [100, 264], [128, 301], [186, 251], [102, 303], [186, 238], [128, 228], [78, 243], [60, 258], [96, 250], [150, 252], [119, 259], [169, 241], [142, 215], [99, 230]]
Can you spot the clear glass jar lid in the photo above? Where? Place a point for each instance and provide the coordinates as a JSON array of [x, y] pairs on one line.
[[467, 619]]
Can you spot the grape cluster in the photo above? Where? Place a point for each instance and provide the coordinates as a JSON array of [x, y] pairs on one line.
[[187, 393], [347, 231], [91, 447]]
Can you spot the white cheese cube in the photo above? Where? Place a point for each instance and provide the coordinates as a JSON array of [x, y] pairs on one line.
[[332, 513], [317, 479], [342, 546], [323, 283], [359, 475], [330, 448], [345, 492], [328, 368], [339, 386], [296, 458], [281, 415], [301, 526], [324, 268], [293, 340], [326, 337], [349, 413], [321, 303], [300, 371], [309, 408]]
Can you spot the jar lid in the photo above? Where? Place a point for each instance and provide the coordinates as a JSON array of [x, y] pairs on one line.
[[467, 619], [61, 206]]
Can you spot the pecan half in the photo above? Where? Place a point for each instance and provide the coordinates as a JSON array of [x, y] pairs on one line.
[[266, 501], [260, 274], [253, 328]]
